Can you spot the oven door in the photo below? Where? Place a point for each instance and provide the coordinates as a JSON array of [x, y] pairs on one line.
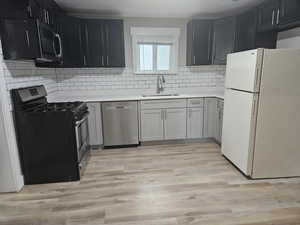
[[50, 44], [82, 137]]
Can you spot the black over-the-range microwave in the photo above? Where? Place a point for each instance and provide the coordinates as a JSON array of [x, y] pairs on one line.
[[50, 44], [30, 39]]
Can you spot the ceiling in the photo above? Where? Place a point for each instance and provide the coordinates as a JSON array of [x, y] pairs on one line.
[[156, 8]]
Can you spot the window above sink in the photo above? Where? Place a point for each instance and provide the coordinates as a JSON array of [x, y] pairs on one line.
[[155, 50]]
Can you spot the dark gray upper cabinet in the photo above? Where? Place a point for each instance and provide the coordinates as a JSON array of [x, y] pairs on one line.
[[269, 15], [289, 13], [104, 43], [246, 31], [93, 32], [199, 42], [69, 29], [115, 47], [224, 39], [47, 11], [13, 9], [19, 39]]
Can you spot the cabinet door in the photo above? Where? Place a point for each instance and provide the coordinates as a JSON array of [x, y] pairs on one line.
[[175, 124], [19, 39], [114, 42], [219, 123], [246, 31], [290, 12], [189, 45], [13, 9], [95, 124], [224, 39], [69, 29], [195, 122], [199, 42], [93, 32], [152, 125], [268, 15], [210, 117]]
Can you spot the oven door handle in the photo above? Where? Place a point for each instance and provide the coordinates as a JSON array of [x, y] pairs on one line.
[[83, 119]]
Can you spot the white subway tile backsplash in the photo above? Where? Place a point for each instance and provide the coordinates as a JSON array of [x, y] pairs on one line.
[[109, 80], [72, 80]]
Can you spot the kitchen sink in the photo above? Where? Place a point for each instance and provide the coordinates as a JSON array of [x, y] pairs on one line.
[[160, 95]]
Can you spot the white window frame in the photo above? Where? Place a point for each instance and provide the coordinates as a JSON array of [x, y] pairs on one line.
[[155, 36]]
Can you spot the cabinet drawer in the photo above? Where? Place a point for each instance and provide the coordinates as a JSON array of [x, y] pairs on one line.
[[163, 104], [195, 102]]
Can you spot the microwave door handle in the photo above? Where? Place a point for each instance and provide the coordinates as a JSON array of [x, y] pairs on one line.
[[60, 46]]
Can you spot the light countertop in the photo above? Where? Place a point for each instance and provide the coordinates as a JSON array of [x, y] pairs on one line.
[[60, 97]]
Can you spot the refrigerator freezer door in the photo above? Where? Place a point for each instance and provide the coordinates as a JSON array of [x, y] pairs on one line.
[[243, 70], [239, 128], [277, 145]]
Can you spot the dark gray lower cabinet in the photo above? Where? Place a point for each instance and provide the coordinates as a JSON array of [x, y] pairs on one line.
[[19, 39], [224, 39], [199, 42]]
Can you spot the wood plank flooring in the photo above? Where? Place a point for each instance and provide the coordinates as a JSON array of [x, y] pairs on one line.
[[184, 184]]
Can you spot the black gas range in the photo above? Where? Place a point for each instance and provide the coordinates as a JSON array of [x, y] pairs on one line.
[[53, 138]]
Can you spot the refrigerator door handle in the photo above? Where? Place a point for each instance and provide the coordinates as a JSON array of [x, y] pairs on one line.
[[256, 78], [254, 105]]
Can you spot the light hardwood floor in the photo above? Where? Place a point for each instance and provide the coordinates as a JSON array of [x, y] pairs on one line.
[[187, 184]]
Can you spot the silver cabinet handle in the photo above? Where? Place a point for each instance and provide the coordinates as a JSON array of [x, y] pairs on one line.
[[84, 60], [107, 60], [273, 17], [27, 38], [208, 49], [45, 15], [102, 60], [162, 114], [166, 114], [194, 59], [278, 15], [48, 20], [29, 10]]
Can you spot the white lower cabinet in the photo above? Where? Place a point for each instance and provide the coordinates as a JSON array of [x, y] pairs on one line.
[[163, 120], [210, 117], [195, 122], [152, 125], [220, 107], [175, 124], [95, 124]]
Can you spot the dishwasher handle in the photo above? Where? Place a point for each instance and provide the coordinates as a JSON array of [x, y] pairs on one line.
[[117, 107]]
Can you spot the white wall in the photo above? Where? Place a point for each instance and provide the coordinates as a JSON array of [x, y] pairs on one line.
[[289, 39]]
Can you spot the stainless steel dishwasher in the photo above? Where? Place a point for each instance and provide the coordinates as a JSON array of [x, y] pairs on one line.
[[120, 123]]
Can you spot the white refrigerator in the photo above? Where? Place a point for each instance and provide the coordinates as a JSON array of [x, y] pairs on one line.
[[261, 128]]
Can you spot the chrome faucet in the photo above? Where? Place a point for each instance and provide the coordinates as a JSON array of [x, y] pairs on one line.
[[160, 84]]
